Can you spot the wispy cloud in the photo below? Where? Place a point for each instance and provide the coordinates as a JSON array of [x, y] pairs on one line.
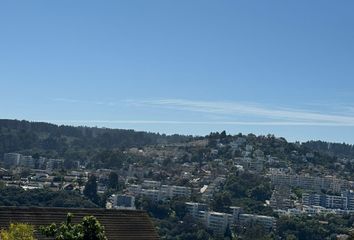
[[70, 100], [153, 122], [257, 114], [289, 116]]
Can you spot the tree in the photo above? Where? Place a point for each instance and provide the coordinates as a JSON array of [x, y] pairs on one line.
[[90, 190], [260, 192], [222, 201], [18, 231], [113, 182], [253, 230], [92, 229], [89, 229]]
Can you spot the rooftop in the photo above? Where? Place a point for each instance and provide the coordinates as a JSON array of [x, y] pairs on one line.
[[119, 224]]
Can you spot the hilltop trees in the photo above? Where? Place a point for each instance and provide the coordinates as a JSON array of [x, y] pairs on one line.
[[72, 142]]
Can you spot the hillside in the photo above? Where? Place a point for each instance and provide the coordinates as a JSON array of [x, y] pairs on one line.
[[61, 141], [111, 148]]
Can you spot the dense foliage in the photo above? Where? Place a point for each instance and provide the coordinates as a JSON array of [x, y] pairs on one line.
[[245, 190], [18, 231], [315, 227], [71, 142], [333, 149], [90, 190], [89, 229], [173, 221], [13, 196]]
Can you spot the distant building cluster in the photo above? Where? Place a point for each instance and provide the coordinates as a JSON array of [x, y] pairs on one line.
[[250, 164], [345, 201], [13, 160], [218, 222], [311, 183], [312, 200], [155, 191], [208, 191]]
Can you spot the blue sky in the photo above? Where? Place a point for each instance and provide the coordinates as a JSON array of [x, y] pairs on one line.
[[283, 67]]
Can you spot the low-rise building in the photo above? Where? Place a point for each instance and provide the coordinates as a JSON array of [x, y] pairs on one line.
[[11, 160], [311, 183], [218, 221], [266, 221], [345, 201], [53, 164], [193, 208], [151, 184], [122, 201], [157, 192]]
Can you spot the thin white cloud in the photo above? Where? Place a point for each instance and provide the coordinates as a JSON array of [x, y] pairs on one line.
[[67, 100], [70, 100], [264, 115], [298, 116], [245, 123]]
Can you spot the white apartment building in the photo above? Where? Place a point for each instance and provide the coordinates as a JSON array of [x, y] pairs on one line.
[[156, 192], [148, 184], [218, 222], [193, 208], [344, 202], [310, 182], [266, 221], [176, 191]]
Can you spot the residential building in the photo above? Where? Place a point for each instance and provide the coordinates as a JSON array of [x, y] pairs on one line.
[[251, 164], [193, 208], [53, 164], [11, 160], [281, 198], [345, 201], [311, 183], [151, 184], [266, 221], [156, 192], [122, 201], [27, 161], [218, 221]]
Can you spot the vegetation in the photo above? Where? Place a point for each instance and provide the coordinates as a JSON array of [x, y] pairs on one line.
[[18, 231], [162, 156], [74, 143], [90, 190], [89, 229], [13, 196], [113, 181], [246, 190], [173, 221], [333, 149], [314, 227]]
